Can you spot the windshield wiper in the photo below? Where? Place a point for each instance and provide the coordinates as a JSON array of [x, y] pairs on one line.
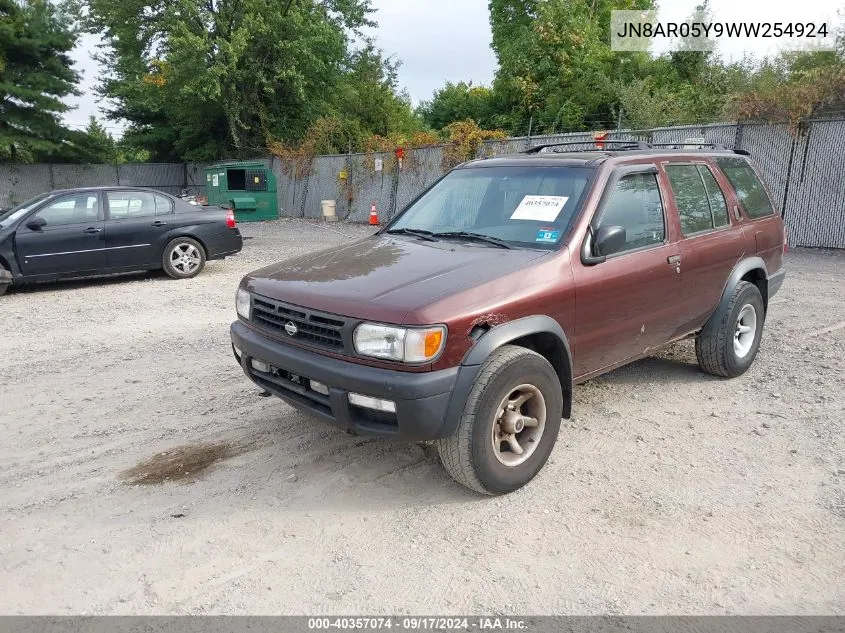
[[420, 233], [475, 236]]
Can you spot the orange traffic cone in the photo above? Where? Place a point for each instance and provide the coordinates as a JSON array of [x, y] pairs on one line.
[[373, 215]]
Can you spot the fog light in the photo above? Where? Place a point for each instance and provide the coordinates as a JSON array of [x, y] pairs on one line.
[[260, 365], [372, 403], [319, 387], [238, 351]]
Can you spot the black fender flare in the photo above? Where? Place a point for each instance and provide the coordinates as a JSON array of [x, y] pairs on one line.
[[492, 340], [743, 267]]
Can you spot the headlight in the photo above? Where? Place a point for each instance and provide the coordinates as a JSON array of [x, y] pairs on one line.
[[243, 304], [410, 345]]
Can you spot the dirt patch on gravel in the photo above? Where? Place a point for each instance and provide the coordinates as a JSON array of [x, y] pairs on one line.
[[179, 464]]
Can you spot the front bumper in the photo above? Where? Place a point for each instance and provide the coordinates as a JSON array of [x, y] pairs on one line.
[[428, 404]]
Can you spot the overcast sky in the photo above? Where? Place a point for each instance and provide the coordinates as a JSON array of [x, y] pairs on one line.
[[440, 40]]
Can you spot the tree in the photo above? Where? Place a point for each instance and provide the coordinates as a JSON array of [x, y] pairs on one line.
[[794, 85], [369, 99], [555, 62], [459, 102], [99, 146], [35, 74], [205, 79]]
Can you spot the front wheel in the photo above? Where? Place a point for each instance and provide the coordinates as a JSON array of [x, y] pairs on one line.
[[183, 258], [509, 425], [3, 289]]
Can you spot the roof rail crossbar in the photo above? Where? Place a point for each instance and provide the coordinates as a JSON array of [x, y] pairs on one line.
[[686, 145], [625, 145]]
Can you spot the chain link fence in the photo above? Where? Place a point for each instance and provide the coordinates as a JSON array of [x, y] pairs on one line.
[[804, 171]]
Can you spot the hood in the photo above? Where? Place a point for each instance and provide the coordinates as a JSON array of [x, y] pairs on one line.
[[384, 277]]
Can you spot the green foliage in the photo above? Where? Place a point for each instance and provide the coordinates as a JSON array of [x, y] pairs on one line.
[[369, 96], [459, 102], [557, 73], [794, 86], [555, 62], [35, 74], [204, 79], [99, 144]]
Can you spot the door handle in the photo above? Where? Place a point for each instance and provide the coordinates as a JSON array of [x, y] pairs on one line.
[[159, 223], [673, 260], [92, 229]]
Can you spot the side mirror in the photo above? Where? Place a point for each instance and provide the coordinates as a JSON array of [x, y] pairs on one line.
[[36, 223], [609, 240]]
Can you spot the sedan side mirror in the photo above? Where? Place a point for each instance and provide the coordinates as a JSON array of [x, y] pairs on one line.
[[609, 240], [36, 223]]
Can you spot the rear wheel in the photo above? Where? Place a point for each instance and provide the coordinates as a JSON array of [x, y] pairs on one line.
[[729, 342], [509, 425], [183, 258], [4, 277]]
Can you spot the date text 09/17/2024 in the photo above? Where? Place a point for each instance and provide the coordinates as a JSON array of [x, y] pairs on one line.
[[408, 623]]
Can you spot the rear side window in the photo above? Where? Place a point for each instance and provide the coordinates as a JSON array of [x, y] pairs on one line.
[[718, 205], [635, 205], [137, 204], [701, 205], [163, 205], [748, 187]]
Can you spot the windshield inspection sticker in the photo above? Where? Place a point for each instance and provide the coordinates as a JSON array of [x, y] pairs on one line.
[[541, 208], [547, 235]]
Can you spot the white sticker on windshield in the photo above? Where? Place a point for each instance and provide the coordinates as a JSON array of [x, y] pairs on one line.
[[541, 208]]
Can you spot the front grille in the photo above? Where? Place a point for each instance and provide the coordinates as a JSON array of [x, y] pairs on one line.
[[314, 328]]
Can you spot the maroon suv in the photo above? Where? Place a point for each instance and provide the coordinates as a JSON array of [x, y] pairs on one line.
[[469, 318]]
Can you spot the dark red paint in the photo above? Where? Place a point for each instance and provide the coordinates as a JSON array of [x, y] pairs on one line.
[[612, 313]]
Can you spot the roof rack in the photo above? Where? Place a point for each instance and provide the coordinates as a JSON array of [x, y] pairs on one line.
[[686, 145], [627, 145], [633, 145]]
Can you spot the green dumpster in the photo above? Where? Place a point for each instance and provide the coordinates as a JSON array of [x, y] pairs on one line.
[[247, 187]]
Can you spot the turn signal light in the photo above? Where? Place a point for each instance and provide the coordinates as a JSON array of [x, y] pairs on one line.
[[433, 340], [230, 218]]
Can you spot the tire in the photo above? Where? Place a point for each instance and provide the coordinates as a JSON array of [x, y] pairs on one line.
[[725, 347], [470, 455], [3, 288], [183, 258]]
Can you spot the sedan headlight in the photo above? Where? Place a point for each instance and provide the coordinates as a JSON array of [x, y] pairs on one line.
[[243, 304], [410, 345]]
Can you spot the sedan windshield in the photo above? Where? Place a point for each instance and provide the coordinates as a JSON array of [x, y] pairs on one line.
[[526, 206], [15, 212]]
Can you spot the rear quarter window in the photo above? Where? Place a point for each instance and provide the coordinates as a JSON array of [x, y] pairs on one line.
[[749, 190]]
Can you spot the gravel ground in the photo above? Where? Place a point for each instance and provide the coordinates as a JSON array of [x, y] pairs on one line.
[[669, 492]]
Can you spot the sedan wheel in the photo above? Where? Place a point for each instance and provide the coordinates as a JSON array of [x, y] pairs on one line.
[[183, 258]]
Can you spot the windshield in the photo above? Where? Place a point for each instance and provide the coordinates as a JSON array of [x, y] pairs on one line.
[[526, 206], [15, 212]]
